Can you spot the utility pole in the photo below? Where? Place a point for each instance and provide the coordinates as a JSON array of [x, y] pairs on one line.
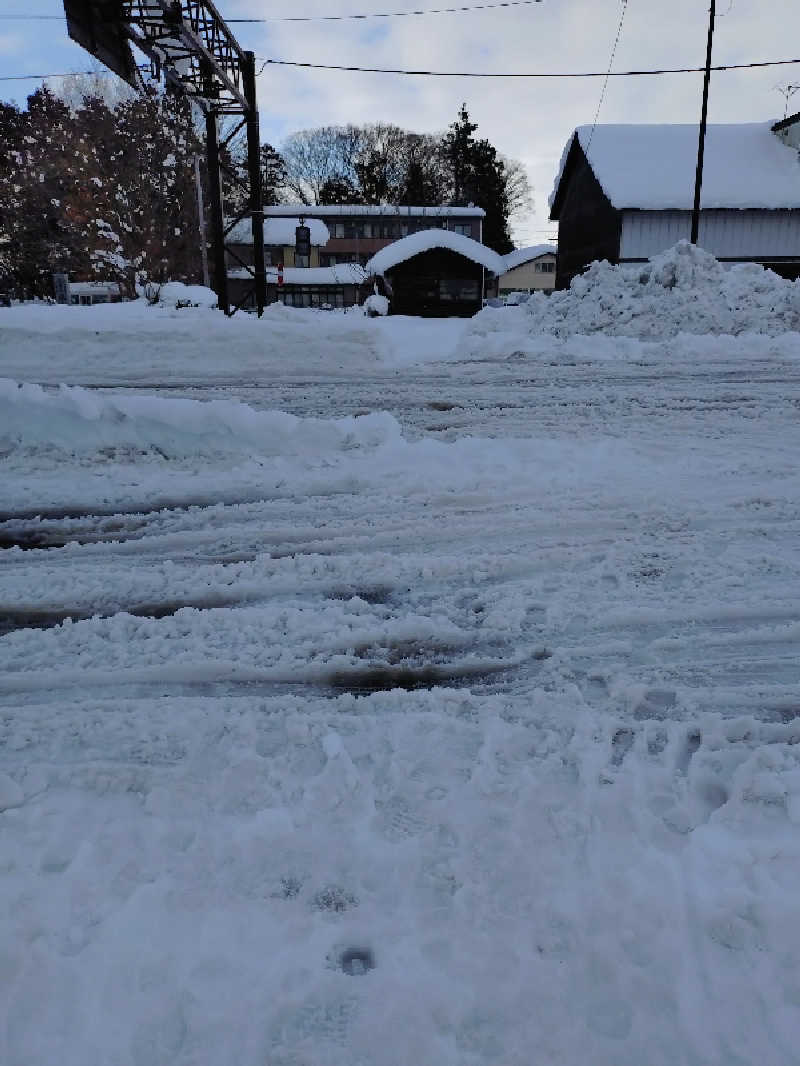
[[701, 144]]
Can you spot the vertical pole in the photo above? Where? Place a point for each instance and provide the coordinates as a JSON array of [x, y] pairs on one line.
[[254, 173], [201, 222], [698, 181], [217, 224]]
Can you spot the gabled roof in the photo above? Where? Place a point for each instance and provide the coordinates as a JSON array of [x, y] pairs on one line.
[[407, 247], [527, 255], [391, 210], [652, 167]]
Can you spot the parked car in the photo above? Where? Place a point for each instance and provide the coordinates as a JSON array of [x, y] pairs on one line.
[[514, 299]]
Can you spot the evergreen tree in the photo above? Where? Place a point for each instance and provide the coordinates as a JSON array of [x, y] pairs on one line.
[[339, 190], [479, 177], [273, 175]]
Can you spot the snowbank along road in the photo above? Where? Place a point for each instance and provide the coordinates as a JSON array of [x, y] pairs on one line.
[[390, 693]]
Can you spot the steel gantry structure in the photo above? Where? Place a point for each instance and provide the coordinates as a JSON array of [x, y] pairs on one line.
[[189, 44]]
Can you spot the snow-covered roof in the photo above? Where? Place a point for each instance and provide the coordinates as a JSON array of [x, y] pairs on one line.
[[415, 243], [526, 255], [354, 210], [85, 288], [280, 231], [652, 167], [340, 274]]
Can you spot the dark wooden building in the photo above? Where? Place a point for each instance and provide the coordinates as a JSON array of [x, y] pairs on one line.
[[437, 274], [625, 193]]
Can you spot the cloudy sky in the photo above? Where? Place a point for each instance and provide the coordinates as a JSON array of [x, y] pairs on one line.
[[528, 119]]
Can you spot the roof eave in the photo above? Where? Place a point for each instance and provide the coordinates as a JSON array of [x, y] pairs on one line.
[[785, 123], [566, 173]]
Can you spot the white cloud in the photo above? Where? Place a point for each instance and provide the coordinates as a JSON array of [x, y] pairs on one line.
[[525, 119]]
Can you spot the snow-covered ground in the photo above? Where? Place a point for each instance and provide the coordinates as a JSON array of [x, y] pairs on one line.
[[382, 692]]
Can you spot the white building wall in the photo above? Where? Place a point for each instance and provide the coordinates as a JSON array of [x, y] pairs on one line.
[[727, 234]]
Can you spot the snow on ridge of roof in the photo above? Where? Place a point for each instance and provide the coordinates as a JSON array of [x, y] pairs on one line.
[[353, 210], [339, 274], [652, 167], [425, 240], [280, 231], [525, 255]]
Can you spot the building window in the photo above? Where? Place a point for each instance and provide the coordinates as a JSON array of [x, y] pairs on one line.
[[545, 268], [338, 230], [464, 228], [301, 260], [457, 289], [305, 296]]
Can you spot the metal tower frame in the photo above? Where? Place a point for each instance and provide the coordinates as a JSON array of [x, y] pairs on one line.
[[188, 42]]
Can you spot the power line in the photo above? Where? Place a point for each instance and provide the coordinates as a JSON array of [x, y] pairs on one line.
[[392, 14], [608, 72], [71, 74], [448, 73], [338, 18], [569, 74]]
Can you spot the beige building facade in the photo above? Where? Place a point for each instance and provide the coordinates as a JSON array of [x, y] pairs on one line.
[[530, 277]]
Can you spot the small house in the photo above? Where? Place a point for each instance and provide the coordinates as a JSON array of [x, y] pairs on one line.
[[436, 273], [529, 270], [626, 192], [344, 238], [86, 293]]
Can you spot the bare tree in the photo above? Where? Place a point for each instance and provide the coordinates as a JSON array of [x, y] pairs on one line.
[[382, 163], [314, 157], [518, 189]]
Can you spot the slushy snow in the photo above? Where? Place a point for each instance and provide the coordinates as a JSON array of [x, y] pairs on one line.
[[379, 691]]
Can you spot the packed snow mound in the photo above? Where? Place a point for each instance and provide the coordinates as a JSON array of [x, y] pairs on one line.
[[376, 305], [175, 292], [682, 290], [81, 422]]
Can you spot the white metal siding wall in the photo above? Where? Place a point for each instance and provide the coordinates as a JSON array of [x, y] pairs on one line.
[[728, 234]]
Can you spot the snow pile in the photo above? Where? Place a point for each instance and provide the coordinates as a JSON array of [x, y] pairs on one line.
[[376, 305], [80, 422], [683, 290], [175, 292]]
